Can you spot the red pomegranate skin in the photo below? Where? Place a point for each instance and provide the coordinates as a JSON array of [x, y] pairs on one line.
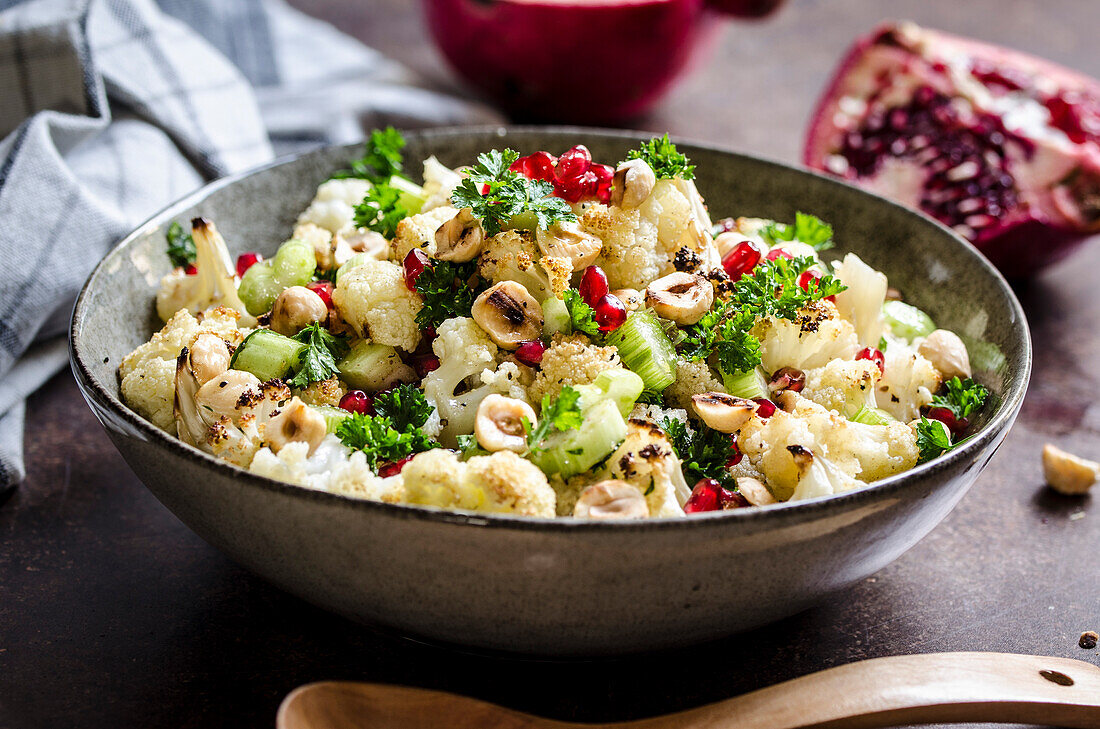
[[1050, 155], [600, 61]]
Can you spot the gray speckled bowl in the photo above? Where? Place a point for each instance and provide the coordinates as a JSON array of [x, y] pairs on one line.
[[540, 586]]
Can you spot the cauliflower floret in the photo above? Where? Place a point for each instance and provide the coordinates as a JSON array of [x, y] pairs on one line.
[[238, 436], [499, 483], [692, 378], [843, 385], [630, 256], [333, 467], [655, 413], [861, 303], [418, 231], [570, 361], [324, 392], [569, 490], [509, 378], [818, 476], [512, 255], [333, 207], [908, 382], [646, 461], [439, 182], [667, 209], [214, 282], [464, 351], [148, 373], [374, 300], [817, 336]]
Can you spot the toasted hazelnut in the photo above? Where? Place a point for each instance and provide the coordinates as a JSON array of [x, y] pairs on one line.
[[297, 422], [209, 357], [611, 499], [1067, 473], [722, 412], [633, 299], [295, 309], [508, 314], [682, 297], [460, 238], [754, 491], [567, 240], [221, 393], [632, 184], [499, 423], [947, 353]]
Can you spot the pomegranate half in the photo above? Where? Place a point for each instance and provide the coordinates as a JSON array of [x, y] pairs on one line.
[[1001, 146]]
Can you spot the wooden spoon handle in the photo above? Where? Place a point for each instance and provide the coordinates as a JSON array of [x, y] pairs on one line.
[[919, 689]]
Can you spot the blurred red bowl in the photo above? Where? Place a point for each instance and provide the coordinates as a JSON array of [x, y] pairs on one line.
[[585, 61]]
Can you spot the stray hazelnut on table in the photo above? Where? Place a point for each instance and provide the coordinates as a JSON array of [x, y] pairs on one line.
[[1066, 473], [1089, 639]]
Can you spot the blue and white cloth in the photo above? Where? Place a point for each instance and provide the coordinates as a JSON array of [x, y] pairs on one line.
[[114, 108]]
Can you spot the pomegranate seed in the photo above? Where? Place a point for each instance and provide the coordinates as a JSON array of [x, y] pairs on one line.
[[190, 270], [571, 190], [593, 286], [484, 190], [732, 499], [875, 356], [322, 289], [574, 162], [765, 408], [357, 401], [775, 253], [741, 259], [787, 378], [589, 184], [725, 225], [604, 175], [610, 313], [737, 454], [414, 264], [425, 363], [806, 277], [945, 416], [392, 469], [537, 166], [246, 261], [429, 333], [704, 497], [530, 353]]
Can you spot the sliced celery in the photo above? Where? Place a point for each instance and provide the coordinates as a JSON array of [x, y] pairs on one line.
[[749, 385], [412, 195], [646, 350], [577, 451], [366, 366], [872, 416], [266, 354], [332, 416], [555, 317], [622, 387], [907, 322]]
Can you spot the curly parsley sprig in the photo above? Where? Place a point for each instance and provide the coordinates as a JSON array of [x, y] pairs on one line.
[[447, 291], [381, 209], [667, 161], [381, 160], [507, 193], [807, 229], [317, 360], [703, 453], [557, 415], [394, 432], [181, 246], [963, 397]]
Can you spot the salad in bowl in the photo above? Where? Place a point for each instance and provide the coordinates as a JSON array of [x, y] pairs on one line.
[[547, 336]]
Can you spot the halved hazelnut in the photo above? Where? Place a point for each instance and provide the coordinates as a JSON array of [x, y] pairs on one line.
[[681, 297], [611, 499], [499, 423], [297, 422], [508, 314], [722, 412], [459, 239], [632, 184], [754, 491], [567, 240], [633, 299], [947, 353], [295, 309]]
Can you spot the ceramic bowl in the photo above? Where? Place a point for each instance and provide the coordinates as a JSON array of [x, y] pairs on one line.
[[557, 587]]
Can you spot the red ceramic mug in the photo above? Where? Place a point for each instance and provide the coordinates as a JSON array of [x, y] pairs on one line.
[[590, 61]]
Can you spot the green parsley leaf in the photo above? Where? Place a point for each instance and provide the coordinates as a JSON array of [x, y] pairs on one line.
[[468, 447], [807, 229], [381, 209], [559, 414], [447, 292], [317, 361], [405, 405], [651, 397], [933, 439], [882, 344], [703, 453], [963, 397], [381, 160], [507, 194], [379, 440], [181, 246], [582, 316], [772, 289], [666, 161]]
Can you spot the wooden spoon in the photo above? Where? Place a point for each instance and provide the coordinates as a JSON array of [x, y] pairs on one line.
[[919, 689]]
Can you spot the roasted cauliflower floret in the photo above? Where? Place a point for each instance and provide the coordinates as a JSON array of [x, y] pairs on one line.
[[843, 385], [908, 383], [692, 378], [323, 392], [512, 255], [333, 207], [332, 467], [418, 231], [374, 300], [861, 303], [439, 182], [499, 483], [646, 461], [631, 255], [214, 282], [464, 352], [817, 336], [669, 210], [570, 361]]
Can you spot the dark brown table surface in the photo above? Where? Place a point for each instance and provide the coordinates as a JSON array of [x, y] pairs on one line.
[[113, 614]]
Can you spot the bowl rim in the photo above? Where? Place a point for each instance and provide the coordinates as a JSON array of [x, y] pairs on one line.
[[992, 433]]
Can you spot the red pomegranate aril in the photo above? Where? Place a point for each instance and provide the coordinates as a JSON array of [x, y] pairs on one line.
[[787, 378], [322, 289], [732, 499], [741, 259], [541, 166], [574, 162], [593, 285], [425, 363], [704, 497], [805, 279], [414, 264], [610, 313], [357, 401], [530, 353], [775, 253], [190, 269], [945, 416], [875, 356], [246, 261], [765, 408], [429, 333], [393, 468], [737, 454]]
